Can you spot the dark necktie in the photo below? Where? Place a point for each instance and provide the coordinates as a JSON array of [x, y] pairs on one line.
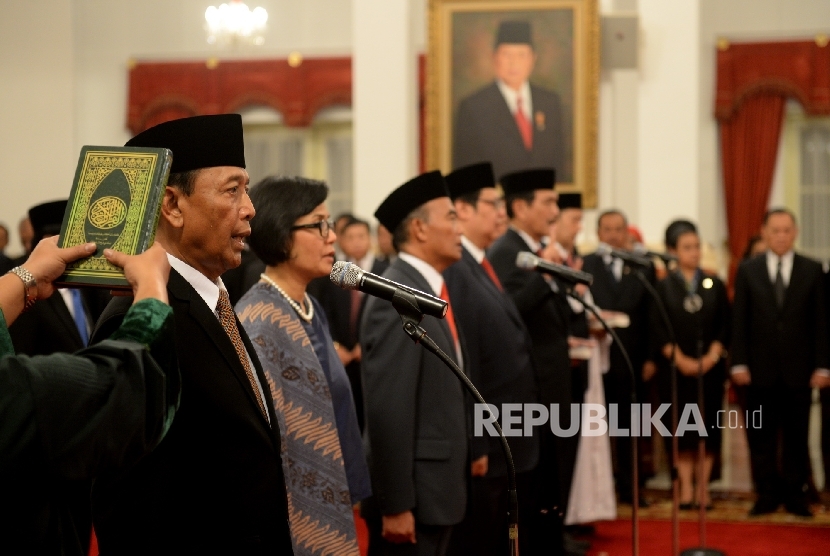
[[450, 318], [610, 267], [228, 320], [491, 272], [524, 125], [355, 299], [79, 315], [780, 288]]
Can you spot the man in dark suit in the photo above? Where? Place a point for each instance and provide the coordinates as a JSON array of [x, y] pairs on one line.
[[215, 484], [779, 352], [531, 204], [498, 362], [616, 287], [511, 123], [344, 307], [416, 418]]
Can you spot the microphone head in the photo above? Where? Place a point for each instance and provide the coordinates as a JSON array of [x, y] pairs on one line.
[[526, 260], [603, 250], [346, 275]]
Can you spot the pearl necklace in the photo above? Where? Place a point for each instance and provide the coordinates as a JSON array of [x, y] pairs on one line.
[[306, 316]]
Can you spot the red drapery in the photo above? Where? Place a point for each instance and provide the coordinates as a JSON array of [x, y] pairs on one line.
[[163, 91], [753, 81]]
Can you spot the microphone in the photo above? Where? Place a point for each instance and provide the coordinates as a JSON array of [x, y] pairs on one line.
[[529, 261], [641, 249], [626, 256], [349, 276]]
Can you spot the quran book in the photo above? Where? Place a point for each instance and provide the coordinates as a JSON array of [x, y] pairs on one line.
[[115, 201]]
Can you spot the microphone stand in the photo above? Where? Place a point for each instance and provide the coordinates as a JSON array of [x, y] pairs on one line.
[[407, 306], [675, 480], [635, 502]]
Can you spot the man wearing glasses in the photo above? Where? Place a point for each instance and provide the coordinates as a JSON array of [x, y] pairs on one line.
[[498, 362]]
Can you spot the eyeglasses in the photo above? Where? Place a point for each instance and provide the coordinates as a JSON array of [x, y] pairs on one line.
[[497, 204], [323, 226]]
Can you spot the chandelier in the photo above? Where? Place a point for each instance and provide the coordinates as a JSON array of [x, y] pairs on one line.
[[235, 23]]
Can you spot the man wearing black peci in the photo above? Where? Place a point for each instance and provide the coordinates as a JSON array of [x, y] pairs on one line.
[[779, 352], [416, 431], [215, 484], [499, 363], [511, 123], [531, 204]]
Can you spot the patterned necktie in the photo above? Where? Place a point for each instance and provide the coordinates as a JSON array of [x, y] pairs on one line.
[[450, 318], [780, 289], [524, 124], [79, 315], [228, 320], [491, 272]]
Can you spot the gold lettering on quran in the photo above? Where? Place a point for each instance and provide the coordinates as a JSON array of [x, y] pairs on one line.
[[107, 212]]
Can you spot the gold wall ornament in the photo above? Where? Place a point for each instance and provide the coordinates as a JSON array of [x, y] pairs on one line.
[[295, 59], [723, 44], [212, 63], [821, 40]]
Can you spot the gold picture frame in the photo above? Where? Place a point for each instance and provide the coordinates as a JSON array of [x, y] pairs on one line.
[[461, 64]]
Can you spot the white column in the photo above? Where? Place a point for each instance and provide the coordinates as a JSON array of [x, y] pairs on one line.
[[37, 153], [669, 114], [384, 99]]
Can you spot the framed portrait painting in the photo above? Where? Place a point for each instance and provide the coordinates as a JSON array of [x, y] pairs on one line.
[[515, 83]]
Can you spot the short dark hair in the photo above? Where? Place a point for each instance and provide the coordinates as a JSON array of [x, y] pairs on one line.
[[676, 229], [184, 181], [509, 198], [611, 212], [778, 210], [401, 234], [750, 245], [352, 221], [279, 202], [470, 198]]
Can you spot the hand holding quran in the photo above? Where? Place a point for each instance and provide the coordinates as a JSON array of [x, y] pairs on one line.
[[115, 202]]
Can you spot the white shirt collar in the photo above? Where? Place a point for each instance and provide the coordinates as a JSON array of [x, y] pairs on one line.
[[531, 243], [432, 276], [511, 96], [786, 265], [206, 289], [475, 251], [367, 262]]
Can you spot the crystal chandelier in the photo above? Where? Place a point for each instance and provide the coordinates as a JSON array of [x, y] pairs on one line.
[[235, 23]]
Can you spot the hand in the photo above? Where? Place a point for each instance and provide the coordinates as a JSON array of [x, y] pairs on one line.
[[147, 273], [741, 378], [819, 380], [356, 353], [344, 354], [551, 253], [399, 528], [479, 467], [687, 365], [649, 370], [48, 261]]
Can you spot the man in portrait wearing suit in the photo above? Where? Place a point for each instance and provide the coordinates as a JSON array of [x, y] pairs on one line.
[[616, 287], [779, 352], [416, 431], [498, 362], [215, 484], [511, 123], [531, 204], [344, 307]]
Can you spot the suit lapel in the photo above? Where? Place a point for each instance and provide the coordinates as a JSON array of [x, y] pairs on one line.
[[207, 320], [65, 317], [505, 118]]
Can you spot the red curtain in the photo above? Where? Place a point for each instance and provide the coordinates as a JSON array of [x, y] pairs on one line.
[[753, 82]]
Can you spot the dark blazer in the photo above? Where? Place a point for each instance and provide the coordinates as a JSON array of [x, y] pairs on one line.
[[787, 344], [545, 315], [215, 483], [629, 296], [47, 328], [416, 419], [499, 361], [486, 130]]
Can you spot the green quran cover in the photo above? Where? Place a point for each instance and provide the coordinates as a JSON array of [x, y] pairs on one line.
[[115, 202]]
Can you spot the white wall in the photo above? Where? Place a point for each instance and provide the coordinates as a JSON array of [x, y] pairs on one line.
[[36, 116], [65, 85]]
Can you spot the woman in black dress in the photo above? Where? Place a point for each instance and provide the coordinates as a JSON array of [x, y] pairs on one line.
[[698, 308]]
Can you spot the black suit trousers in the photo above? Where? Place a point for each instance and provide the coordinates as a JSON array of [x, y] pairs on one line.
[[786, 411]]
